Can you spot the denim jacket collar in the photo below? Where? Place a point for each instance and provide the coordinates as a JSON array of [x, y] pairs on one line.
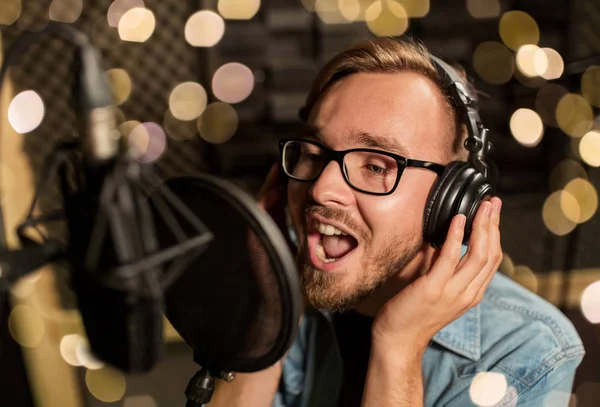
[[463, 335]]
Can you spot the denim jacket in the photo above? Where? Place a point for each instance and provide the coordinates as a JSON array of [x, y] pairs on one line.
[[511, 332]]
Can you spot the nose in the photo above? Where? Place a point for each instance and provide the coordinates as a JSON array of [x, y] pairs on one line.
[[331, 187]]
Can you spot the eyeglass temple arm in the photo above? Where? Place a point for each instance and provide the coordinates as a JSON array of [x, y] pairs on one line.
[[437, 168]]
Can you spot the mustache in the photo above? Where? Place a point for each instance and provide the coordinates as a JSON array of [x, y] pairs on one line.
[[338, 215]]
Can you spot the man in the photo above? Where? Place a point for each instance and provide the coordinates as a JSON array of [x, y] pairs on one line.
[[391, 321]]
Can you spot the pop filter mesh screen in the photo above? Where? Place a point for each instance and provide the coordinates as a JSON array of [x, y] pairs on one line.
[[230, 304]]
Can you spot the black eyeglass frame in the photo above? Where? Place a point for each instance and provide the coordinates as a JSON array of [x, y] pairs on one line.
[[338, 156]]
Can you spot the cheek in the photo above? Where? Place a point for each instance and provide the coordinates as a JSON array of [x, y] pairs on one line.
[[401, 212]]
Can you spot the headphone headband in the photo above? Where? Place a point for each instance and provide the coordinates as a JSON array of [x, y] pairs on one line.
[[476, 143]]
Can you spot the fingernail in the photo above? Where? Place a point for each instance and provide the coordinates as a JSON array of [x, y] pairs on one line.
[[461, 221], [488, 209]]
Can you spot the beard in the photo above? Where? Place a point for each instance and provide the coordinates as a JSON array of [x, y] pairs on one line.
[[346, 289]]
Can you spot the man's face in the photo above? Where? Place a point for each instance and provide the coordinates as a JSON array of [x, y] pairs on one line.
[[383, 233]]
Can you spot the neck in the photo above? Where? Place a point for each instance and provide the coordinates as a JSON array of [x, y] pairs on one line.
[[420, 265]]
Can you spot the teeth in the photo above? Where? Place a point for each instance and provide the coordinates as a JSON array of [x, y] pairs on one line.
[[321, 254], [329, 230]]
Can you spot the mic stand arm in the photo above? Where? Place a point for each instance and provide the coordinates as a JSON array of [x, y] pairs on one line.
[[201, 387]]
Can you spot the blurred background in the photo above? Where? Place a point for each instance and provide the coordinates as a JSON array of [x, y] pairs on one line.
[[207, 85]]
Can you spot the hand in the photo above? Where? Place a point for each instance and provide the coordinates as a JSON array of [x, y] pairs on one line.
[[449, 289]]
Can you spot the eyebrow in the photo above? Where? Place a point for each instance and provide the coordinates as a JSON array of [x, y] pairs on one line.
[[362, 139]]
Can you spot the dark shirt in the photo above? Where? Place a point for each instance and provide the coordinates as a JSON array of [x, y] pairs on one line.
[[353, 333]]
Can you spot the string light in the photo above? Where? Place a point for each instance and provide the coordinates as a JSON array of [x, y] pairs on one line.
[[483, 8], [532, 61], [526, 278], [553, 215], [493, 62], [106, 384], [65, 11], [187, 101], [488, 388], [587, 200], [526, 127], [556, 65], [387, 18], [329, 12], [564, 172], [590, 85], [574, 115], [10, 11], [204, 28], [120, 84], [590, 302], [518, 28], [137, 25], [232, 83], [26, 112], [238, 9], [119, 7], [218, 123], [589, 148]]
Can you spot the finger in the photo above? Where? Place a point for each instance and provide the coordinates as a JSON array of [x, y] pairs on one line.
[[496, 251], [476, 258], [446, 263]]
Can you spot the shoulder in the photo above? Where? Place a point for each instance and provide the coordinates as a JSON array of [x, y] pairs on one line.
[[523, 335]]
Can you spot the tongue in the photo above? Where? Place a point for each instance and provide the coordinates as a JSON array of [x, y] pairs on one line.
[[338, 245]]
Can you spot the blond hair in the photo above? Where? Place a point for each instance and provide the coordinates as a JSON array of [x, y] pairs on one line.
[[387, 55]]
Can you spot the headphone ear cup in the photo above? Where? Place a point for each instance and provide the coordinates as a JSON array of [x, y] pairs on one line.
[[460, 189]]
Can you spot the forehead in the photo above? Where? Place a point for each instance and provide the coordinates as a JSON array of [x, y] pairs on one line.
[[406, 108]]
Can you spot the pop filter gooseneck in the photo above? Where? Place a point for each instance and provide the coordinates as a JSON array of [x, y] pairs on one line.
[[237, 304]]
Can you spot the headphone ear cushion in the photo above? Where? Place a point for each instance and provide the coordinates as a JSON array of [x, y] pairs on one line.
[[441, 198]]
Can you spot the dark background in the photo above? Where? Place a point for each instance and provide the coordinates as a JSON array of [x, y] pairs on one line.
[[284, 45]]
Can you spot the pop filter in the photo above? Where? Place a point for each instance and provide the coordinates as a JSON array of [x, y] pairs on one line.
[[238, 303]]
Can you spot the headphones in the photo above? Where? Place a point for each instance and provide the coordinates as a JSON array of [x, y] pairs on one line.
[[464, 185]]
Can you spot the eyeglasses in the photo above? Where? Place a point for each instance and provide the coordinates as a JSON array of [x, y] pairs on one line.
[[366, 170]]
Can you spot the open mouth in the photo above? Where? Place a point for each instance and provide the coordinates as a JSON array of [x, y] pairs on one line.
[[329, 245]]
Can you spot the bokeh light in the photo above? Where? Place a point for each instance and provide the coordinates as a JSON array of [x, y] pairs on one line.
[[26, 111], [483, 8], [232, 83], [531, 61], [556, 65], [564, 172], [10, 11], [86, 357], [218, 123], [415, 8], [350, 9], [238, 9], [68, 346], [488, 388], [387, 18], [137, 25], [493, 62], [120, 84], [65, 11], [187, 101], [590, 302], [26, 285], [119, 7], [139, 401], [546, 100], [587, 200], [26, 325], [329, 12], [589, 148], [526, 277], [106, 384], [147, 142], [526, 127], [553, 215], [179, 129], [574, 115], [590, 85], [507, 267], [204, 29], [127, 127], [518, 28]]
